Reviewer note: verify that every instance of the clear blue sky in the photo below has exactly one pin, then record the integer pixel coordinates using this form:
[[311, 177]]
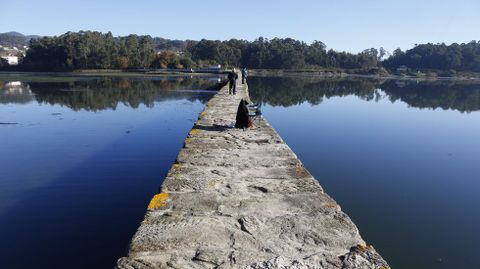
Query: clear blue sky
[[351, 25]]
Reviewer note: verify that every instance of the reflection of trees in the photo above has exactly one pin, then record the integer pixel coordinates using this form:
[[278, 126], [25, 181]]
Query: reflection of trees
[[292, 91], [458, 95], [106, 93], [464, 97]]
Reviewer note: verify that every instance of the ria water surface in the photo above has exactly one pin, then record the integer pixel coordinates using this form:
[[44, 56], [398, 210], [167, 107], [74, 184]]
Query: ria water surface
[[400, 157], [80, 158]]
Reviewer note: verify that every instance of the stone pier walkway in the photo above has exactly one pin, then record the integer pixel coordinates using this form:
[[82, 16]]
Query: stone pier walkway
[[242, 199]]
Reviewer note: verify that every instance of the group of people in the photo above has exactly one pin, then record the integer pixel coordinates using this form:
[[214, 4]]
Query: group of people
[[232, 79], [242, 119]]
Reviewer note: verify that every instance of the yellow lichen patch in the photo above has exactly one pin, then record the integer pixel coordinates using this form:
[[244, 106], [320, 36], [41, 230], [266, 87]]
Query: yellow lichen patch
[[203, 113], [363, 248], [301, 171], [194, 131], [158, 200], [329, 205], [175, 166], [187, 140]]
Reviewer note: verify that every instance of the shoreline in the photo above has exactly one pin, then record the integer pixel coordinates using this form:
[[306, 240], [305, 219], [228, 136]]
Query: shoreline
[[110, 73], [342, 73], [324, 73]]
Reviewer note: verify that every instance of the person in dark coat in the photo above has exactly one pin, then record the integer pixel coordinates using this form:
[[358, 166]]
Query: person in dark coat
[[232, 77], [242, 115]]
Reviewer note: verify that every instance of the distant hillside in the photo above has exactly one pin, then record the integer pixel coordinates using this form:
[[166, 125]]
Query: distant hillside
[[15, 39]]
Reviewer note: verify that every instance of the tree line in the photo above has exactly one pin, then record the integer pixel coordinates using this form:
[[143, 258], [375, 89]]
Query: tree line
[[456, 57], [88, 50], [95, 50], [278, 53]]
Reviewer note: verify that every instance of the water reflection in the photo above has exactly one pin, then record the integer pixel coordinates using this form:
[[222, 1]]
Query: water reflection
[[460, 96], [15, 92], [78, 152], [105, 93], [463, 96], [403, 164]]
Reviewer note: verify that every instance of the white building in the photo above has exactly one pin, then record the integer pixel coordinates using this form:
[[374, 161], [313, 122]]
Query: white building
[[12, 60], [214, 67]]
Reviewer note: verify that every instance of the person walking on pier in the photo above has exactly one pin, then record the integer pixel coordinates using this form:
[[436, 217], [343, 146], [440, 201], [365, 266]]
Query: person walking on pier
[[244, 74], [232, 78]]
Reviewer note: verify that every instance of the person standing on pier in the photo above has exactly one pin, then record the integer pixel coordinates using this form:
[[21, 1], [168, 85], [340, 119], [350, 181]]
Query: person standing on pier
[[232, 78], [244, 74]]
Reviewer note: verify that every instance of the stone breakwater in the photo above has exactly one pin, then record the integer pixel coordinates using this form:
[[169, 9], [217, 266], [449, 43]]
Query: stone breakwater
[[242, 199]]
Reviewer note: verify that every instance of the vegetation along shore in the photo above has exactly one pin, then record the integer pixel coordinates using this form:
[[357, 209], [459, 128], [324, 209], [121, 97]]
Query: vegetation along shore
[[89, 50]]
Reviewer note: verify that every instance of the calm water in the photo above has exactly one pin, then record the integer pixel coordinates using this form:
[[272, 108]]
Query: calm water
[[401, 158], [81, 160]]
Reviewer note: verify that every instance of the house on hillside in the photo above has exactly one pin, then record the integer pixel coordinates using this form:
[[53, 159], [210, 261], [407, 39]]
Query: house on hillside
[[12, 60]]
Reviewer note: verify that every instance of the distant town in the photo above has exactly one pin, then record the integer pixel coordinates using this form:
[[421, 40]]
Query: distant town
[[12, 54], [13, 46]]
